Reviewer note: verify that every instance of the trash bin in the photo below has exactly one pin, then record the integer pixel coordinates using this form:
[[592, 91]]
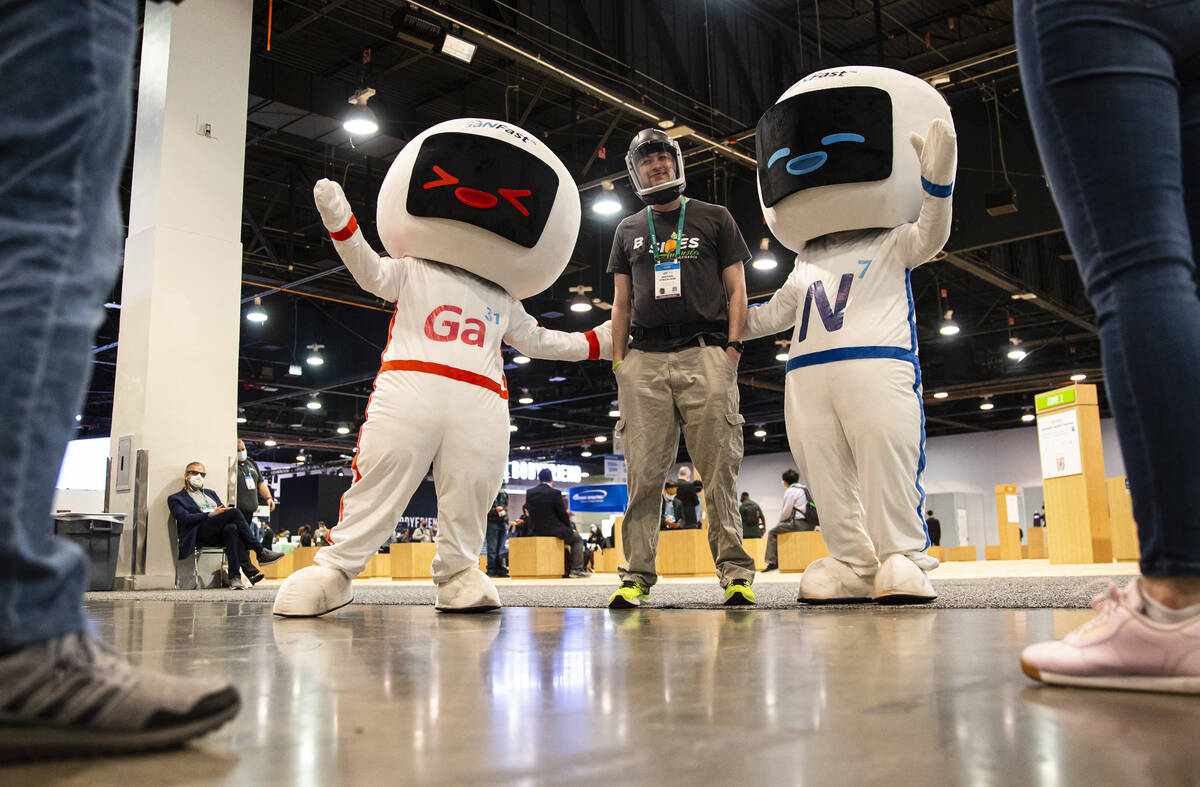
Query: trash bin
[[99, 536]]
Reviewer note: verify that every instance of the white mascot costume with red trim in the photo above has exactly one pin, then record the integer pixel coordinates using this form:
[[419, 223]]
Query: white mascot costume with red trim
[[840, 184], [476, 214]]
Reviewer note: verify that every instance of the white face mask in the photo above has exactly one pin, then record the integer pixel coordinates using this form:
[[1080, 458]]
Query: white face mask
[[242, 456], [196, 481]]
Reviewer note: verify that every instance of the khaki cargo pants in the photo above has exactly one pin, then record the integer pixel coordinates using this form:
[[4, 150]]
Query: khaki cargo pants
[[694, 388]]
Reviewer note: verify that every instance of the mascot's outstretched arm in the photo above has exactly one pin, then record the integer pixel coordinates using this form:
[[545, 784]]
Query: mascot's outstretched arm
[[377, 275], [777, 314], [527, 337], [938, 154]]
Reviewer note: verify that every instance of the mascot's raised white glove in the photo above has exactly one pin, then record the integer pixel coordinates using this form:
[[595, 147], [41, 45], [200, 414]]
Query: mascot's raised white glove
[[938, 153], [332, 204]]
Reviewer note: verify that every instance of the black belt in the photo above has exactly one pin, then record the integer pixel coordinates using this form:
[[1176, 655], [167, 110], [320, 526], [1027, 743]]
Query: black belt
[[715, 329]]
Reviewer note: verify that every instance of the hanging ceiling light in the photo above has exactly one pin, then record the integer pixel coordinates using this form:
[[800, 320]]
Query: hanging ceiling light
[[607, 203], [360, 121], [314, 358], [525, 397], [601, 438], [269, 443], [256, 312], [314, 403], [940, 395], [521, 359], [241, 419], [760, 432], [986, 404], [585, 453], [1027, 417], [294, 370], [1078, 378], [948, 327], [764, 260], [580, 302], [1016, 352], [614, 413], [512, 427], [343, 429]]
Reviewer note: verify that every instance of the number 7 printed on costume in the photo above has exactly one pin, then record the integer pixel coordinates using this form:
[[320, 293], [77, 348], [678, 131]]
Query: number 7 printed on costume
[[848, 182]]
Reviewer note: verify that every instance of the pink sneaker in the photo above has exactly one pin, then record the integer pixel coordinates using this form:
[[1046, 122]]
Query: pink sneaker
[[1121, 648]]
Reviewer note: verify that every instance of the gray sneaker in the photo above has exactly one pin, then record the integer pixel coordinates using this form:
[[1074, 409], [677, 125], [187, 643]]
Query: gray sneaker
[[267, 557], [72, 697]]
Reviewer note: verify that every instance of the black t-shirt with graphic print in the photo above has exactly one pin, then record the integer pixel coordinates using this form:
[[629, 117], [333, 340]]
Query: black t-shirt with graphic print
[[711, 242]]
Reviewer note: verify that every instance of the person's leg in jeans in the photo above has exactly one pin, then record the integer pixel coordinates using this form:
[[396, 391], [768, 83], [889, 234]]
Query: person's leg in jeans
[[64, 128], [573, 542], [495, 532], [1112, 96]]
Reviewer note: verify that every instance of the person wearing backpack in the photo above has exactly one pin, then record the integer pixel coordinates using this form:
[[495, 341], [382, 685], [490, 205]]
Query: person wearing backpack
[[793, 516]]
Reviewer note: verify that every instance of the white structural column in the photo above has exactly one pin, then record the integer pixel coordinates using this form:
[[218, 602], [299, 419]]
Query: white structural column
[[176, 385]]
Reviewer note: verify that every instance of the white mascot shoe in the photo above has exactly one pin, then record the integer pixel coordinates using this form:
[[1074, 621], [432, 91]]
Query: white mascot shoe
[[901, 581], [312, 591], [468, 591], [830, 581]]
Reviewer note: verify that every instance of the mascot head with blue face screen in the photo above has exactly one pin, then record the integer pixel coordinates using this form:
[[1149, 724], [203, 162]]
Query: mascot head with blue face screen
[[834, 152], [484, 196]]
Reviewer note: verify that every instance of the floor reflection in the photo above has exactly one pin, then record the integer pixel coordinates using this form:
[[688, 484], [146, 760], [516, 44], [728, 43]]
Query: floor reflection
[[587, 696]]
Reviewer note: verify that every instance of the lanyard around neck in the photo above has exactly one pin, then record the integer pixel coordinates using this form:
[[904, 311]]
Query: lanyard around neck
[[678, 232]]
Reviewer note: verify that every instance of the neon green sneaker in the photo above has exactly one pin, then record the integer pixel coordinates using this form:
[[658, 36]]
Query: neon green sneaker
[[738, 593], [628, 596]]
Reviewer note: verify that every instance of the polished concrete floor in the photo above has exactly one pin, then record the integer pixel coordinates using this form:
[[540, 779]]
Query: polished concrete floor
[[849, 696]]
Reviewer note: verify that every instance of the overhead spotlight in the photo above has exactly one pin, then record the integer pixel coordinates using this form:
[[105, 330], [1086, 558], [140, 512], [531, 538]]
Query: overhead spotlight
[[360, 121], [948, 327], [314, 358], [343, 429], [558, 379], [1027, 417], [585, 454], [764, 260], [521, 359], [269, 443], [781, 357], [78, 417], [601, 438], [678, 132], [940, 395], [1076, 378], [607, 203], [666, 123], [580, 302], [525, 397], [512, 427], [256, 312], [584, 474], [986, 404], [301, 458], [241, 419], [313, 403], [458, 48], [614, 413], [294, 370], [760, 432], [1016, 352], [937, 80]]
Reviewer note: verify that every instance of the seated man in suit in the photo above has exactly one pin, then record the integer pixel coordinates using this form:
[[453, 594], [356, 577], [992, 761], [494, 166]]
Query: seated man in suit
[[548, 517], [203, 521]]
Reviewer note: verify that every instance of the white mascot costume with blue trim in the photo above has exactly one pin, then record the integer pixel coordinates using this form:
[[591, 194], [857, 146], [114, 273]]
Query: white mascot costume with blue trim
[[847, 180], [476, 214]]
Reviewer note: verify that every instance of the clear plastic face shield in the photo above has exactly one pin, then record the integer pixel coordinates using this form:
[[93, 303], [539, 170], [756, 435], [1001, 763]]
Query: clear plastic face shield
[[655, 165]]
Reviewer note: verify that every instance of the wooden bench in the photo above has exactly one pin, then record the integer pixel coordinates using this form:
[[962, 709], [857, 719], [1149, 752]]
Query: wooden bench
[[1037, 543], [757, 549], [302, 557], [535, 557], [411, 560], [684, 553], [991, 552], [961, 553], [606, 561], [280, 569], [797, 550]]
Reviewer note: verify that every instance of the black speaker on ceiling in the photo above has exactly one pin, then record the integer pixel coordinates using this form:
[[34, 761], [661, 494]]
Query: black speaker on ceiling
[[1000, 201]]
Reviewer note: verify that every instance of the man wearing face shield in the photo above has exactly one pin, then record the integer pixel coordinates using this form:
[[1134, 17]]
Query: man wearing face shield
[[680, 306]]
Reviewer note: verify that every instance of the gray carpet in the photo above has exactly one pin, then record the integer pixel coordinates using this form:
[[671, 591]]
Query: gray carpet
[[1009, 593]]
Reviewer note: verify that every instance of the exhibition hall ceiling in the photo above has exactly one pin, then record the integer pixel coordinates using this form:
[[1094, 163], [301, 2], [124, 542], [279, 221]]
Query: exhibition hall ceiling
[[585, 77]]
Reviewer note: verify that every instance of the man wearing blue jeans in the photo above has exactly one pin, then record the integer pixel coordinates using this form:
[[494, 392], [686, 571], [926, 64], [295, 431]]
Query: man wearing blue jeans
[[64, 131], [1113, 90]]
